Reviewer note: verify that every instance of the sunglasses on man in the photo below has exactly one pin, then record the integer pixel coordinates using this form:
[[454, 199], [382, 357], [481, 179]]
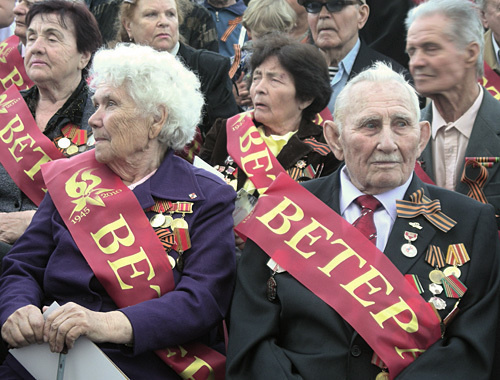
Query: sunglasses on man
[[331, 6]]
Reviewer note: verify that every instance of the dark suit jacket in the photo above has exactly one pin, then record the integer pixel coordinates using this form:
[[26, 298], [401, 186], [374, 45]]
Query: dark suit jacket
[[367, 56], [301, 337], [484, 142], [212, 69]]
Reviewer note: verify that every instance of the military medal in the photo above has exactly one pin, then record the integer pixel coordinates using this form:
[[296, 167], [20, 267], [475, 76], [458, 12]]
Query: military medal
[[157, 220], [453, 287], [415, 225], [82, 148], [183, 243], [271, 289], [436, 275], [171, 260], [71, 150], [454, 270], [179, 223], [457, 255], [408, 249], [435, 289], [63, 143], [382, 376], [91, 140], [438, 303], [168, 221]]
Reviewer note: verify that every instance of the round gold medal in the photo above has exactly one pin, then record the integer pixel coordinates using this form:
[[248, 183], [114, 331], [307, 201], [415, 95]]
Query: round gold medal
[[452, 271], [72, 149], [179, 223], [435, 276], [382, 376], [157, 220], [64, 143], [167, 222]]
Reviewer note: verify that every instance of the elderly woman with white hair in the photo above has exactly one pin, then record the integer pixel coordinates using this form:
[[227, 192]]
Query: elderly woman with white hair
[[134, 243]]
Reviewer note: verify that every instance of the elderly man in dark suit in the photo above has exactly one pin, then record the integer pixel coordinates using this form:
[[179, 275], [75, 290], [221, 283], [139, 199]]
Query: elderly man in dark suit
[[283, 326], [335, 27], [445, 44]]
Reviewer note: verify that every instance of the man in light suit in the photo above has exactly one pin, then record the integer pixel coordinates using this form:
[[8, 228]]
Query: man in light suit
[[445, 44], [297, 335]]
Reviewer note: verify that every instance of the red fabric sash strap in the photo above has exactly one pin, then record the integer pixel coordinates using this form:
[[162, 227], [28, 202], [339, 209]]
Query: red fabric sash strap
[[23, 147], [350, 274], [337, 263], [12, 71], [122, 248], [491, 81]]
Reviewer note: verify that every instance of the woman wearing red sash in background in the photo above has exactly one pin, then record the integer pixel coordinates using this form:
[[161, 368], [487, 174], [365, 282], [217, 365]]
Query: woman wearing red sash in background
[[61, 38], [147, 105], [289, 87]]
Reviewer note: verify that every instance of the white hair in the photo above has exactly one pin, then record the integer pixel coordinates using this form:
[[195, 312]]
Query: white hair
[[465, 23], [379, 72], [154, 80]]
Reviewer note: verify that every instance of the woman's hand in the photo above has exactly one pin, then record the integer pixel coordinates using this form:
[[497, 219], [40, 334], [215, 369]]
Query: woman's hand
[[13, 225], [68, 322], [24, 327]]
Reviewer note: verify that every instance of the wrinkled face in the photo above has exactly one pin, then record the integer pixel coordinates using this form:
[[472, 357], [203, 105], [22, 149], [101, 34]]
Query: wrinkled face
[[337, 30], [274, 96], [380, 138], [491, 17], [436, 63], [20, 11], [155, 23], [51, 52], [120, 128]]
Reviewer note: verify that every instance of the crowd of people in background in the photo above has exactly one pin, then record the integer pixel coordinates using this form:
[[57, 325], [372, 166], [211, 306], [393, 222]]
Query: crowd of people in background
[[252, 189]]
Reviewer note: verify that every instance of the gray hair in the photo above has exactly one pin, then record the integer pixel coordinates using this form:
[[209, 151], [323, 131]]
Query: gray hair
[[154, 80], [379, 72], [465, 24]]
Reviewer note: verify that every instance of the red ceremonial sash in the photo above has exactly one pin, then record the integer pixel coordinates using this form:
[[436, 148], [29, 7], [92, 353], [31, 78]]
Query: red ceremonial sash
[[338, 264], [396, 322], [491, 81], [12, 71], [322, 117], [23, 147], [122, 248], [250, 152]]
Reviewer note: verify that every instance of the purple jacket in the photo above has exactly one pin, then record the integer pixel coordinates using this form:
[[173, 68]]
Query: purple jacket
[[45, 265]]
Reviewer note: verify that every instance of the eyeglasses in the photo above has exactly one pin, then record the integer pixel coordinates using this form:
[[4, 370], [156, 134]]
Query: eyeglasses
[[331, 6]]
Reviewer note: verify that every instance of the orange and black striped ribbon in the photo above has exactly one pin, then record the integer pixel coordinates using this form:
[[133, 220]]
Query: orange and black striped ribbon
[[318, 147], [421, 205], [295, 173], [236, 61], [232, 24], [475, 185], [434, 256], [166, 237]]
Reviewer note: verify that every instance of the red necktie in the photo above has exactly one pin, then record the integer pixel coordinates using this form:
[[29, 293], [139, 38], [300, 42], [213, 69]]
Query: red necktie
[[364, 223]]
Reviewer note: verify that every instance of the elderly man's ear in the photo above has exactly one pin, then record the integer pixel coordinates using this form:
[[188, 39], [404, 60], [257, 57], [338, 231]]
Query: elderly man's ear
[[425, 135], [332, 136]]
